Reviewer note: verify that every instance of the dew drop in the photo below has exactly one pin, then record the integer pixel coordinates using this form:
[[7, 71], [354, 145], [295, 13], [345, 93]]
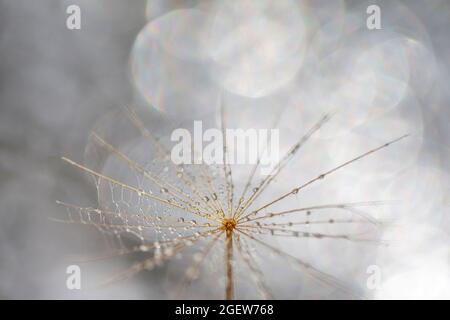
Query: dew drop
[[197, 257], [149, 265], [168, 251], [192, 273]]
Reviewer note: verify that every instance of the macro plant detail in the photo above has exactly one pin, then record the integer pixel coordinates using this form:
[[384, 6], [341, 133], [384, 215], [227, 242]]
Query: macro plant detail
[[191, 150], [198, 214]]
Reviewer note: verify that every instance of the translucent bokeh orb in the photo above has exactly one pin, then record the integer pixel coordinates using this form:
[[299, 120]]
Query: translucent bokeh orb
[[257, 47], [168, 64]]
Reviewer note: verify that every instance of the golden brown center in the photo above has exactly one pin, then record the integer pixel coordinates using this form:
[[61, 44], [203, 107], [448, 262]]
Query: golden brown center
[[228, 224]]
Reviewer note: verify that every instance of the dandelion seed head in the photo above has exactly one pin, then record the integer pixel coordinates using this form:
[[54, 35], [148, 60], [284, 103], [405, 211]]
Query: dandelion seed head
[[207, 212]]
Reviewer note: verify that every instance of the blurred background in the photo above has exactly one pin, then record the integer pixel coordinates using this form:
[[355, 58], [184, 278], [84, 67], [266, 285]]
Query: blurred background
[[56, 83]]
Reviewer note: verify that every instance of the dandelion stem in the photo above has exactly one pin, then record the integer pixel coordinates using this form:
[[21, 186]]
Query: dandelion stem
[[229, 290]]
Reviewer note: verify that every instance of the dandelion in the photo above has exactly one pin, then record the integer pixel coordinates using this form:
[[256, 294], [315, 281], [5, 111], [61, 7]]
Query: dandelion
[[188, 213]]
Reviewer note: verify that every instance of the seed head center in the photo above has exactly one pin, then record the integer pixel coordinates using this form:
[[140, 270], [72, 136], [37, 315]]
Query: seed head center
[[228, 224]]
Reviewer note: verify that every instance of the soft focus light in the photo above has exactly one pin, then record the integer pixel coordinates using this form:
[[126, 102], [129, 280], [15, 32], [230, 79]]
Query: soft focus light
[[166, 64], [415, 265], [258, 46]]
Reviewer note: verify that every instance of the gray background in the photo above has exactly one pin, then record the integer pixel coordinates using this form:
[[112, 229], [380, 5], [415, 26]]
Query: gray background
[[54, 84]]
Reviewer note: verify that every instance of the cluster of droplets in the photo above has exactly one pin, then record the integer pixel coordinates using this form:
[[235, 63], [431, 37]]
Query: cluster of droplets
[[173, 208]]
